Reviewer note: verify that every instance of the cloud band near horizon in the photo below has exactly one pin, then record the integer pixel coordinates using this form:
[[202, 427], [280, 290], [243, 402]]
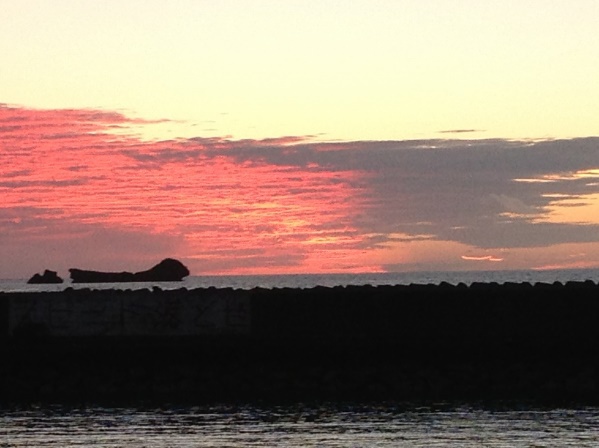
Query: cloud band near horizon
[[81, 187]]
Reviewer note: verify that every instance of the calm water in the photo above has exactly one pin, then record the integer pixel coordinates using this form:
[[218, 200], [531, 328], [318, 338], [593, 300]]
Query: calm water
[[326, 426], [311, 280]]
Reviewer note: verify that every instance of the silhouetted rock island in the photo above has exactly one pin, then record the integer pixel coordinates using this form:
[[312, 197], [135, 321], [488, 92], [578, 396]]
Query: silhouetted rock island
[[168, 270], [46, 277]]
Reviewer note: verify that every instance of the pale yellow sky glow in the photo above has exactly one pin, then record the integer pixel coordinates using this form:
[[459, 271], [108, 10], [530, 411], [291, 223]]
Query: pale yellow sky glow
[[275, 136], [358, 70]]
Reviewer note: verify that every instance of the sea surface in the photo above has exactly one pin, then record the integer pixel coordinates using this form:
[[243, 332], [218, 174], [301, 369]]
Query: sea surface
[[379, 426], [312, 280]]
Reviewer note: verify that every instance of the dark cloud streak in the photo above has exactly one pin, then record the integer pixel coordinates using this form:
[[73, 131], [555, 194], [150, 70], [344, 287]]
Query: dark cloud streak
[[465, 184]]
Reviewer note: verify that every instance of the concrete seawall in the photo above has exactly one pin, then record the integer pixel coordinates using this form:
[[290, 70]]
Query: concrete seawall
[[486, 341]]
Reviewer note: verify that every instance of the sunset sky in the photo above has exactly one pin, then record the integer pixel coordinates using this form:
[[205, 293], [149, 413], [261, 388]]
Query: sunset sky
[[253, 137]]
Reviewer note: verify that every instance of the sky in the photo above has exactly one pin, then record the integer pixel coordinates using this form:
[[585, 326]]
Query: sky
[[264, 137]]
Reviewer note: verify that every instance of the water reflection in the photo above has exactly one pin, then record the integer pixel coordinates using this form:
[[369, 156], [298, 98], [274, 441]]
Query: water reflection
[[298, 426]]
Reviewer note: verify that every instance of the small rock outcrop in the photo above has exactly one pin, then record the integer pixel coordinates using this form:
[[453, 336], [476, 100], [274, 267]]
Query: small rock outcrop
[[46, 277], [168, 270]]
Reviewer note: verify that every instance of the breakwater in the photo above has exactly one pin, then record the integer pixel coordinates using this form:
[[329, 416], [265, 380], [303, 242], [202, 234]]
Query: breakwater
[[484, 341]]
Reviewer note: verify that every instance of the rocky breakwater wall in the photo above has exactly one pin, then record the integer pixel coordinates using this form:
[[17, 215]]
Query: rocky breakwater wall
[[486, 341]]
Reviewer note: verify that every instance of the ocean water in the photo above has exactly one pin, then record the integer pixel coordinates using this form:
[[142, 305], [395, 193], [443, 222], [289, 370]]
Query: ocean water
[[312, 280], [300, 426]]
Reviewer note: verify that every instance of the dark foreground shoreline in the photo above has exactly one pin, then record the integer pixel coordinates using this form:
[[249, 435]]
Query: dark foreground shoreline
[[420, 342]]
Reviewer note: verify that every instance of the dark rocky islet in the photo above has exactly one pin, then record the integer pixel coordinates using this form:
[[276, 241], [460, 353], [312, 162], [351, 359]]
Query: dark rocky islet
[[48, 277]]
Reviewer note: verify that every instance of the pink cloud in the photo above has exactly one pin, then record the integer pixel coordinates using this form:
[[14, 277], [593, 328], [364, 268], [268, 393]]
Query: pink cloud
[[287, 204], [65, 169]]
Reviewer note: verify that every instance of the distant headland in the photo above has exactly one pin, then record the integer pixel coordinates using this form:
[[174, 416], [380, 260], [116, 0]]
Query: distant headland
[[168, 270]]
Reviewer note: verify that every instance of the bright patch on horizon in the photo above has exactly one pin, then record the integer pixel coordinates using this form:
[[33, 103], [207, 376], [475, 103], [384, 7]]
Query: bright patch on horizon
[[481, 258]]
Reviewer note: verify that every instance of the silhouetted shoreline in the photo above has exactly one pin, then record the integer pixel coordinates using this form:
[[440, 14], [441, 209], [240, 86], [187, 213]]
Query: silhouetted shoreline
[[512, 341]]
